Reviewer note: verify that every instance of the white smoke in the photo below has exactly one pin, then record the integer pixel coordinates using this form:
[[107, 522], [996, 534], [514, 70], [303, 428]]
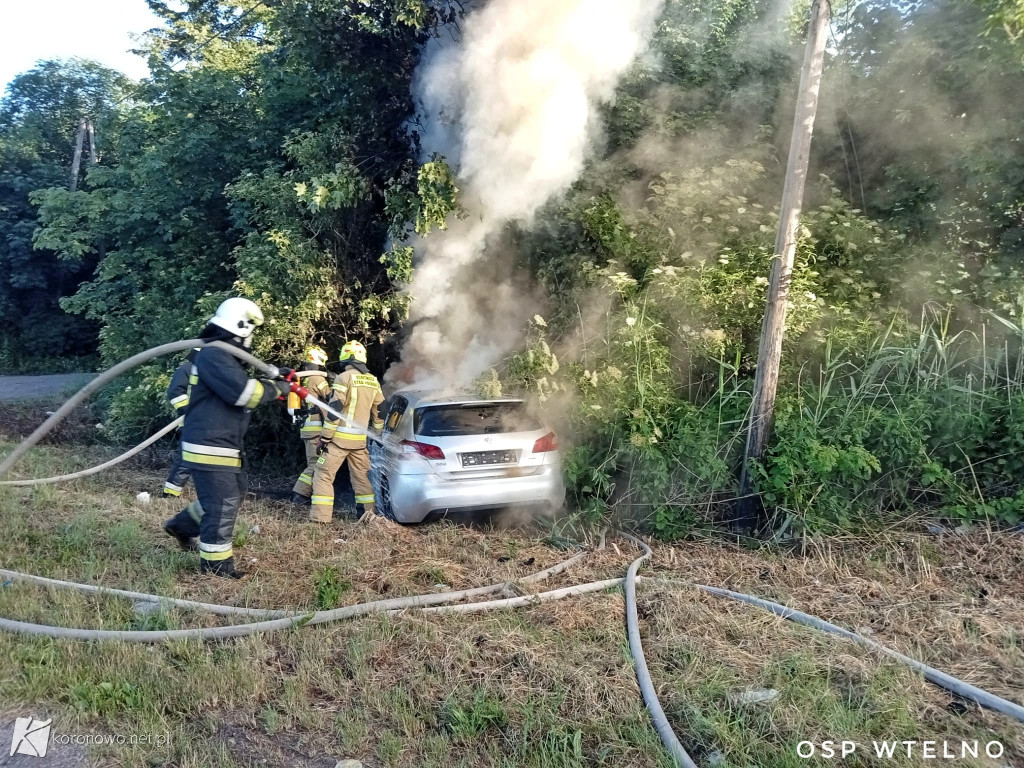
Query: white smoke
[[512, 106]]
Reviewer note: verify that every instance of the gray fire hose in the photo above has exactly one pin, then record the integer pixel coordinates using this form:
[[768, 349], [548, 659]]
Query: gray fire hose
[[108, 376], [79, 397], [105, 465], [941, 679], [228, 610], [643, 675], [286, 622]]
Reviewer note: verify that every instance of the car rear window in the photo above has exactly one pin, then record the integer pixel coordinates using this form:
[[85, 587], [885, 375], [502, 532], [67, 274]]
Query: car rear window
[[473, 419]]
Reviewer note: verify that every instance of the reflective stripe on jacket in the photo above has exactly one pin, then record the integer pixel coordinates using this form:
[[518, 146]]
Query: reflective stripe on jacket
[[177, 392], [221, 397], [357, 396]]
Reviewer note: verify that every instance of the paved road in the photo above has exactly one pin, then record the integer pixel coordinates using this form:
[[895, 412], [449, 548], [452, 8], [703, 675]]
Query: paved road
[[56, 755], [47, 390]]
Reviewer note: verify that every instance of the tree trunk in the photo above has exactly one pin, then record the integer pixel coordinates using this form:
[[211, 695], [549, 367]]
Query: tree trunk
[[76, 163]]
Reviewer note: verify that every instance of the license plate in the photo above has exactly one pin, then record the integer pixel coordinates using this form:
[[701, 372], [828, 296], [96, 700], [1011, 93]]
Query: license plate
[[484, 458]]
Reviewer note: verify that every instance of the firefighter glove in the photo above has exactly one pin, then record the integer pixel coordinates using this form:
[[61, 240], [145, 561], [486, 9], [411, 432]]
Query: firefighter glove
[[283, 388], [287, 374]]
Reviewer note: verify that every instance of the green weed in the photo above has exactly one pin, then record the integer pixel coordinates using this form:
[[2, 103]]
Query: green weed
[[471, 719], [328, 588]]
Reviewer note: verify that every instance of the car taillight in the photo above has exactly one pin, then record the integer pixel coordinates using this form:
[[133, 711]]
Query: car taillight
[[426, 450], [547, 443]]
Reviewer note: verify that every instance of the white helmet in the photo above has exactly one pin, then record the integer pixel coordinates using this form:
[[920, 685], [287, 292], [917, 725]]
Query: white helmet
[[238, 316]]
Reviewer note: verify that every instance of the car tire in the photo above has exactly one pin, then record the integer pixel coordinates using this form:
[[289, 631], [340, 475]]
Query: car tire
[[384, 502]]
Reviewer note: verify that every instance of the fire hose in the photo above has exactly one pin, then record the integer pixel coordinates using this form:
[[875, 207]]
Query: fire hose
[[105, 465], [281, 620], [112, 373]]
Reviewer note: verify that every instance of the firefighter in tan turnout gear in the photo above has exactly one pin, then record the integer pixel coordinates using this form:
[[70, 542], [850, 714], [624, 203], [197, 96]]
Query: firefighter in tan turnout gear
[[314, 379], [357, 395]]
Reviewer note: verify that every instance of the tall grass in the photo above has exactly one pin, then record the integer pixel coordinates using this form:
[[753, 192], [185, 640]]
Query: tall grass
[[922, 418]]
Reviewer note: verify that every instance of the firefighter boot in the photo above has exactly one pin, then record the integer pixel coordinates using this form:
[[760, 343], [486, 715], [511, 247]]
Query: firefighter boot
[[186, 541], [224, 568], [300, 500]]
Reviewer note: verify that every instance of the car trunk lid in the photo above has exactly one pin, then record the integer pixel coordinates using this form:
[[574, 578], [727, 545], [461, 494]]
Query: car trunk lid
[[482, 439]]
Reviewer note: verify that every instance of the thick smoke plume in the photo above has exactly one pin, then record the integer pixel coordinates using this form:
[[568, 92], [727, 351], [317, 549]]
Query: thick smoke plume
[[513, 108]]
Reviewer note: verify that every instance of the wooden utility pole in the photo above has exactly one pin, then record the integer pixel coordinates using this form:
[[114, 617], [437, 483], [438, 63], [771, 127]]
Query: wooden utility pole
[[76, 163], [773, 327]]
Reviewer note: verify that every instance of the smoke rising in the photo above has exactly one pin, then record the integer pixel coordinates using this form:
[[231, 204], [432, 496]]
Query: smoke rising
[[513, 107]]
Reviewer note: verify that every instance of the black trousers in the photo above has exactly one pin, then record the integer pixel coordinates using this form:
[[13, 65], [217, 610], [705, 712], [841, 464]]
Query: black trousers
[[212, 519], [177, 476]]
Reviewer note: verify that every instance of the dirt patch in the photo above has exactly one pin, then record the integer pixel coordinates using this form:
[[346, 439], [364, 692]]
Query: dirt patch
[[249, 745], [19, 420]]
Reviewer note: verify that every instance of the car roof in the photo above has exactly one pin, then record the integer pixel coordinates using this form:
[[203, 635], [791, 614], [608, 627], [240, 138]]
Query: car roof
[[419, 398]]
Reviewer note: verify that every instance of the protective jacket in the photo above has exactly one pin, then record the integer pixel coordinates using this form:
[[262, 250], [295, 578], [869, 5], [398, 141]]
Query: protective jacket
[[357, 395], [177, 392], [315, 380], [221, 398]]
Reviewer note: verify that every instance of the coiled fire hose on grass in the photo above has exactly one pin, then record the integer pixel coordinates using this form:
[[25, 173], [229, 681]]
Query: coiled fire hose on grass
[[286, 622], [282, 620], [422, 602], [227, 610]]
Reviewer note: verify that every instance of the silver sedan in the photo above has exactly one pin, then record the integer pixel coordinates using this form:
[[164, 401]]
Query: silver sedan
[[440, 453]]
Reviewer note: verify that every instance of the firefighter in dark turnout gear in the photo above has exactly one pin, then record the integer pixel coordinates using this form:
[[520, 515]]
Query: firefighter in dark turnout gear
[[221, 398], [314, 379], [177, 396]]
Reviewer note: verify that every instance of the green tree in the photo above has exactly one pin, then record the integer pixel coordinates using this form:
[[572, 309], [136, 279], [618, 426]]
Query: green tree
[[39, 116], [268, 155]]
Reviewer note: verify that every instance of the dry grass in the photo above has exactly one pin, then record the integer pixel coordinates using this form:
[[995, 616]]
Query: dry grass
[[549, 686], [954, 602]]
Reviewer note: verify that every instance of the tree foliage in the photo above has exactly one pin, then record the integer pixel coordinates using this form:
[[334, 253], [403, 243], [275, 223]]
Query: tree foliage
[[39, 117]]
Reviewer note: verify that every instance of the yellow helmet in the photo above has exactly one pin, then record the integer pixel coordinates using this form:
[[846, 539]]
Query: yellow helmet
[[353, 350], [316, 356]]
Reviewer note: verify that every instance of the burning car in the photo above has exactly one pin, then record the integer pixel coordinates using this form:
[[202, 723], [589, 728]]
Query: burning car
[[444, 452]]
